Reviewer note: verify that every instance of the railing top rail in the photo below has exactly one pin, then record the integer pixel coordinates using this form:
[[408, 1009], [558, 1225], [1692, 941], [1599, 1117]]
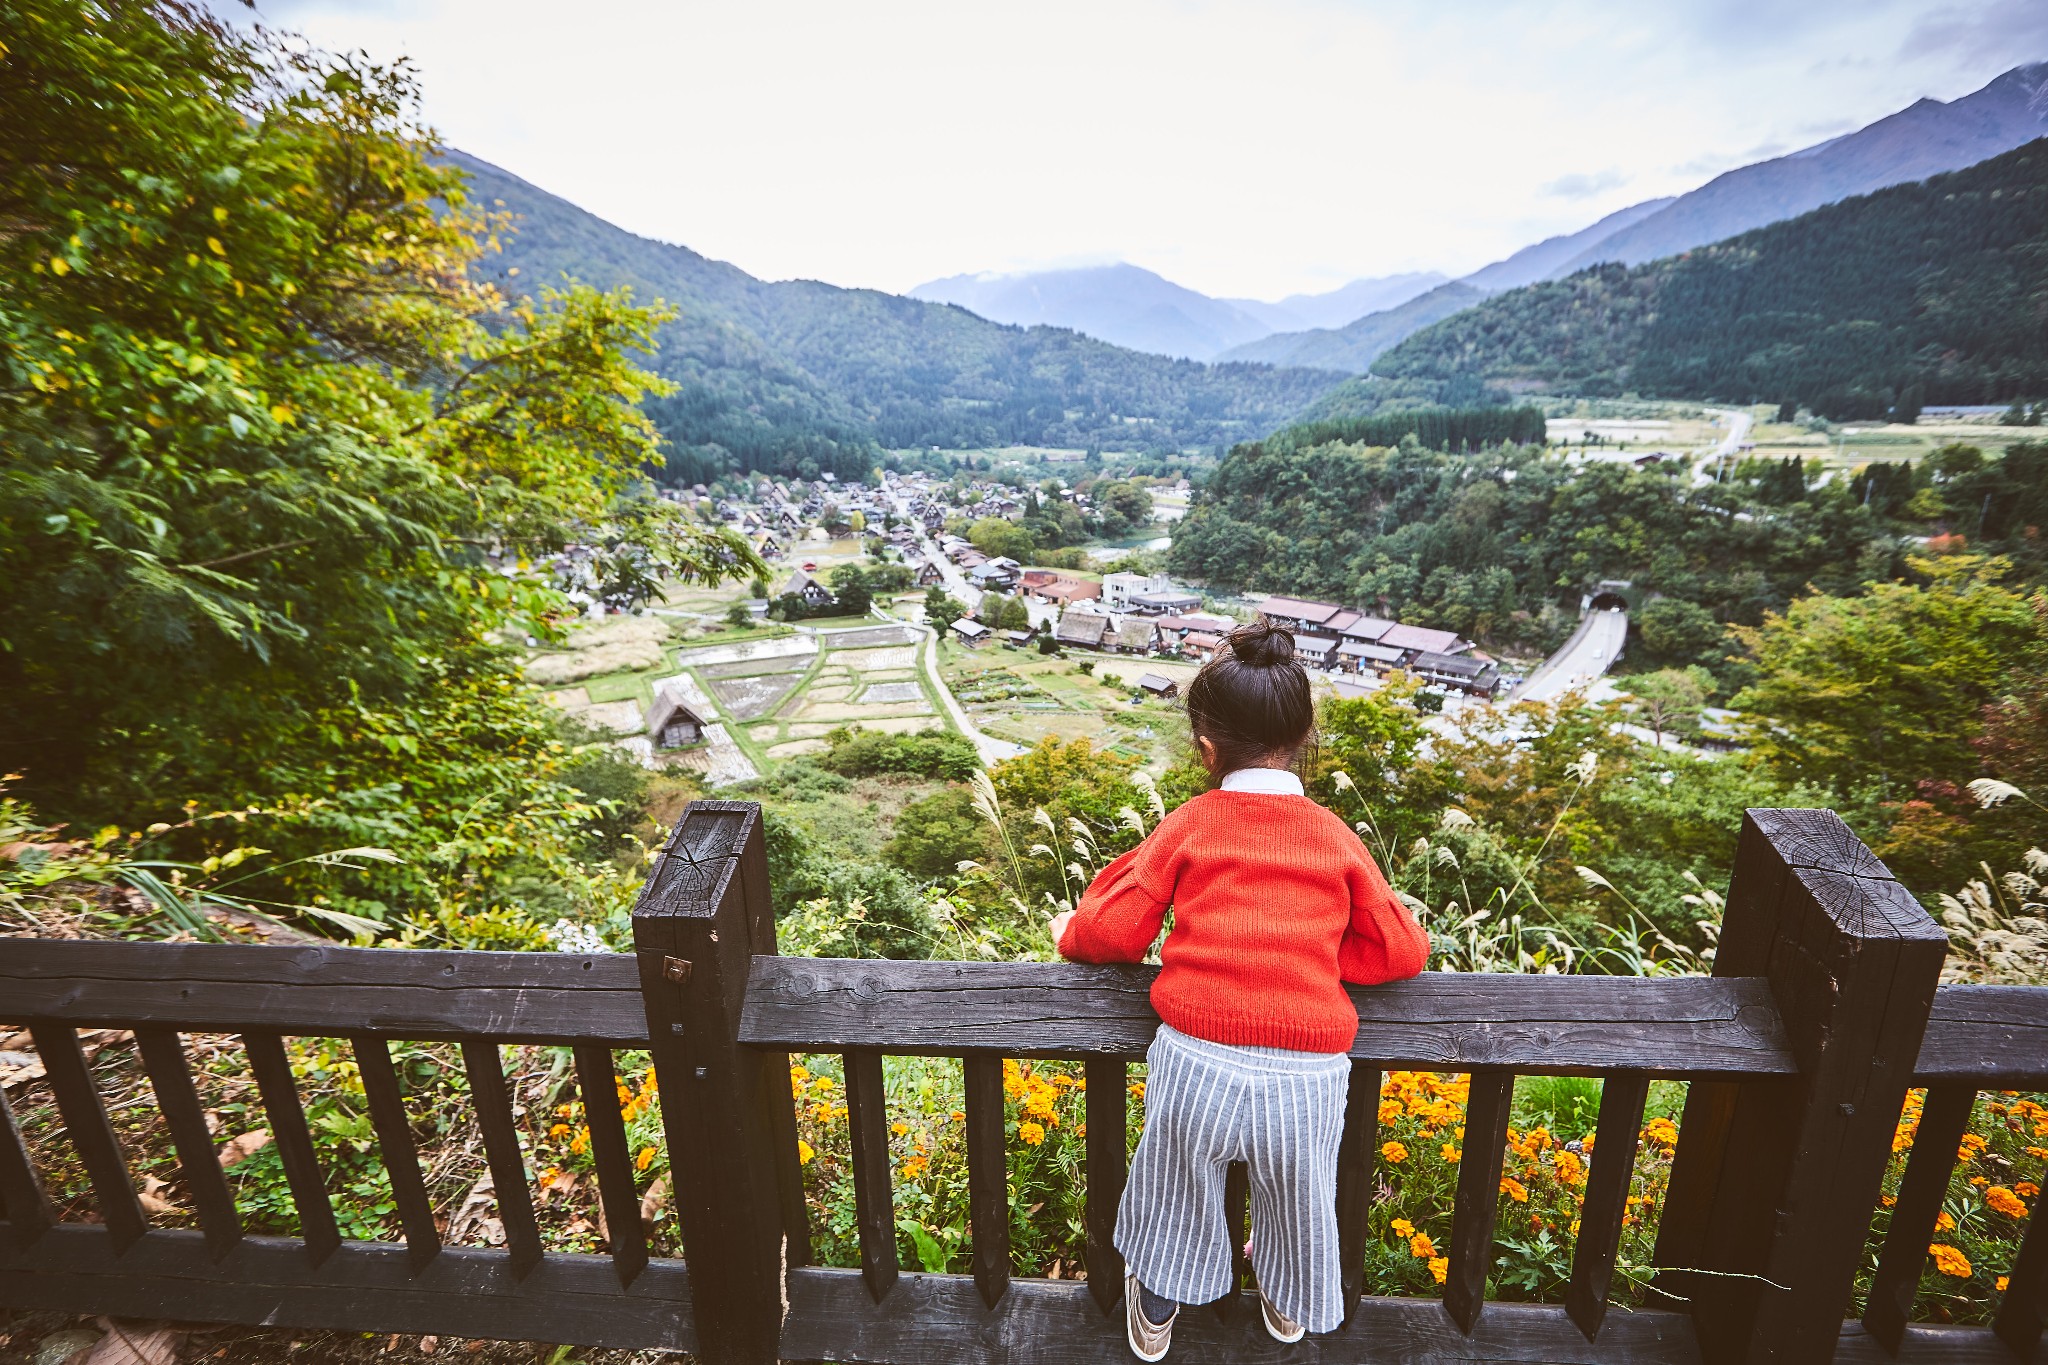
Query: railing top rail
[[1681, 1026], [320, 990]]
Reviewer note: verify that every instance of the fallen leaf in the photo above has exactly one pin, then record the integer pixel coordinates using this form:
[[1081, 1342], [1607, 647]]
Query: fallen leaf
[[150, 1196], [242, 1147], [429, 1345], [653, 1202], [126, 1344]]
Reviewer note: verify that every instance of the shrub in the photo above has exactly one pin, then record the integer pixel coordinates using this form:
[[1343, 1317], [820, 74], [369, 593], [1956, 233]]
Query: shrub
[[929, 753]]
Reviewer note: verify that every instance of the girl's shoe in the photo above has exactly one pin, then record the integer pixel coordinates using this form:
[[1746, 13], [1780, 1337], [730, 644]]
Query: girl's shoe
[[1149, 1340], [1282, 1329]]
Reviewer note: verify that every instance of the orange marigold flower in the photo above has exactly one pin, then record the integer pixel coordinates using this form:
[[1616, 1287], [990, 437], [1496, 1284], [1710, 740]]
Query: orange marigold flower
[[1032, 1133], [2026, 1189], [1944, 1223], [1450, 1153], [558, 1130], [1439, 1268], [645, 1159], [1403, 1227], [1514, 1189], [2005, 1201], [1394, 1152], [1971, 1145], [581, 1143], [1661, 1131], [804, 1152], [1420, 1247], [1949, 1261], [2003, 1280], [1389, 1110]]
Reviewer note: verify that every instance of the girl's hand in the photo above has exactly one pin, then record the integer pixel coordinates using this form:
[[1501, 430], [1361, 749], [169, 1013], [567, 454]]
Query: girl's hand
[[1058, 927]]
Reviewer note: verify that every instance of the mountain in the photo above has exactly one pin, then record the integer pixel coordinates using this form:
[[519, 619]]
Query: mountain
[[776, 375], [1541, 261], [1924, 139], [1935, 292], [1127, 305], [1352, 349], [1121, 304]]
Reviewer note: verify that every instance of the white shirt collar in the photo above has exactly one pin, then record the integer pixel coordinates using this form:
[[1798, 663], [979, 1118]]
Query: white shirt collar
[[1265, 781]]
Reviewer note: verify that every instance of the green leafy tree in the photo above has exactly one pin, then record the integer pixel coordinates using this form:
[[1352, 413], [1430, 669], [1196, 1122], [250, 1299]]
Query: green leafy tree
[[998, 539], [1671, 699], [941, 609], [1678, 631], [1886, 689], [933, 836]]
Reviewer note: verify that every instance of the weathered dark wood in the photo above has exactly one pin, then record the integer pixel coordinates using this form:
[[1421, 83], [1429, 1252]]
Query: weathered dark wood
[[1606, 1202], [1989, 1037], [317, 990], [510, 1184], [1852, 960], [598, 1081], [988, 1175], [23, 1201], [86, 1124], [705, 912], [395, 1146], [1477, 1202], [1575, 1025], [1357, 1155], [287, 1116], [362, 1287], [874, 1197], [1107, 1100], [1944, 1118], [941, 1320], [1237, 1189], [2025, 1306], [170, 1076], [1925, 1344]]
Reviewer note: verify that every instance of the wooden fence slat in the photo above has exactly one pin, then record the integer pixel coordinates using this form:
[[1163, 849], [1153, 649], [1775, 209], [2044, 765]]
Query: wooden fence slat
[[23, 1201], [598, 1081], [2025, 1308], [1600, 1213], [988, 1175], [170, 1076], [1357, 1155], [287, 1115], [1237, 1192], [874, 1198], [1477, 1202], [1106, 1100], [509, 1181], [90, 1131], [1944, 1118], [395, 1145]]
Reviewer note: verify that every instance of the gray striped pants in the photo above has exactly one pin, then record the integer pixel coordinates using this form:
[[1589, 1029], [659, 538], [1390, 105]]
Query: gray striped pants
[[1282, 1114]]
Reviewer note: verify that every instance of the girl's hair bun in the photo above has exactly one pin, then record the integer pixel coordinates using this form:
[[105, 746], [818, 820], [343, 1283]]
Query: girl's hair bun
[[1262, 645]]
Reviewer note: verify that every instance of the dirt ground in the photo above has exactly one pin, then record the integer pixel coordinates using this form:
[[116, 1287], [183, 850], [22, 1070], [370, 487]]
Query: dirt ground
[[34, 1339]]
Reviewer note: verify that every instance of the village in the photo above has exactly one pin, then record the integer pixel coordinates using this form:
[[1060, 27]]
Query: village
[[882, 612]]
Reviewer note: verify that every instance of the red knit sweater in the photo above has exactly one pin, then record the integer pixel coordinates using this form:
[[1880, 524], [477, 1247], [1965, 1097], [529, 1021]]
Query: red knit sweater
[[1275, 905]]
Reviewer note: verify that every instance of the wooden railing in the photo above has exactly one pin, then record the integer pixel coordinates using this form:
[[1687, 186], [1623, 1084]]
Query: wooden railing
[[1822, 1012]]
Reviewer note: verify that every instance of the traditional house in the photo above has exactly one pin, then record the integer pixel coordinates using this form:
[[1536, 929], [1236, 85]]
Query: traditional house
[[1137, 635], [1158, 686], [1317, 651], [929, 572], [801, 584], [1422, 640], [1020, 638], [1360, 657], [1200, 644], [1477, 676], [1083, 628], [996, 574], [970, 632], [1296, 614], [671, 724]]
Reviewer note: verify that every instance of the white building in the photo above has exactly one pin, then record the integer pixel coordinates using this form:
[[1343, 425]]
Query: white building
[[1117, 588]]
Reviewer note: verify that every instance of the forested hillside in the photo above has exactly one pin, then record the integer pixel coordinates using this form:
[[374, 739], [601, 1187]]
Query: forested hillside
[[1352, 348], [773, 375], [1930, 292], [1500, 545]]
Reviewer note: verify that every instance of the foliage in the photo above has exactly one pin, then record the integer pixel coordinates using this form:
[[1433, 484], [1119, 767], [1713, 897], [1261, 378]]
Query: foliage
[[941, 609], [1669, 701], [1446, 429], [1919, 293], [930, 753], [999, 539]]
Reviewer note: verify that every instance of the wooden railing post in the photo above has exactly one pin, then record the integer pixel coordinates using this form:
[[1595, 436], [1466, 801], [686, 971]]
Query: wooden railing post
[[703, 915], [1775, 1179]]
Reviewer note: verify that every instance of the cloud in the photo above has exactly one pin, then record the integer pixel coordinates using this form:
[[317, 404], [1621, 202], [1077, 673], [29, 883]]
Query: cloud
[[1580, 185], [2004, 32]]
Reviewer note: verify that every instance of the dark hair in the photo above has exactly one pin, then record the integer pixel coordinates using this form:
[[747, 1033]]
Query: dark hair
[[1252, 700]]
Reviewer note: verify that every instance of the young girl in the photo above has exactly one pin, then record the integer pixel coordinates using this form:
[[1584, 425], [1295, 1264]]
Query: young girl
[[1275, 905]]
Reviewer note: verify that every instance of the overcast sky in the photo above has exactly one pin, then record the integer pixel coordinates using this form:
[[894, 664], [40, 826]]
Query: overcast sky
[[1242, 147]]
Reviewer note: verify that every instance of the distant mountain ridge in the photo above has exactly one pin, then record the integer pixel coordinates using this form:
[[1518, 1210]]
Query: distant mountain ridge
[[1127, 305], [777, 376], [1351, 349]]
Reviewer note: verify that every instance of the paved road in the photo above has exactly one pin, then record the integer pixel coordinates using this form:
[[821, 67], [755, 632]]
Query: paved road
[[1043, 614], [991, 749], [1709, 460], [1585, 658]]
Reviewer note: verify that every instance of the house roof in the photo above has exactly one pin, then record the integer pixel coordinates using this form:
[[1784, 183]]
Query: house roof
[[1081, 628], [972, 629], [1294, 609], [1452, 666], [1168, 599], [1153, 682], [1421, 638], [1202, 639], [1069, 590], [1343, 619], [1363, 628], [667, 706], [1315, 644], [1359, 649], [1136, 634]]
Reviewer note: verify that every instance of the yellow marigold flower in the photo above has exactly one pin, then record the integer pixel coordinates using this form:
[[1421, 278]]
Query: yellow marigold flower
[[2003, 1280], [899, 1129], [1439, 1268], [1450, 1153], [2026, 1189], [1420, 1247], [1949, 1261], [2038, 1153], [915, 1166], [1032, 1133], [1138, 1090], [804, 1152], [1570, 1169], [823, 1085], [645, 1159], [959, 1116], [1394, 1152], [1971, 1145], [1390, 1110], [1887, 1199], [1661, 1131], [581, 1142], [1514, 1189], [1587, 1145], [1403, 1227], [2005, 1201], [557, 1130]]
